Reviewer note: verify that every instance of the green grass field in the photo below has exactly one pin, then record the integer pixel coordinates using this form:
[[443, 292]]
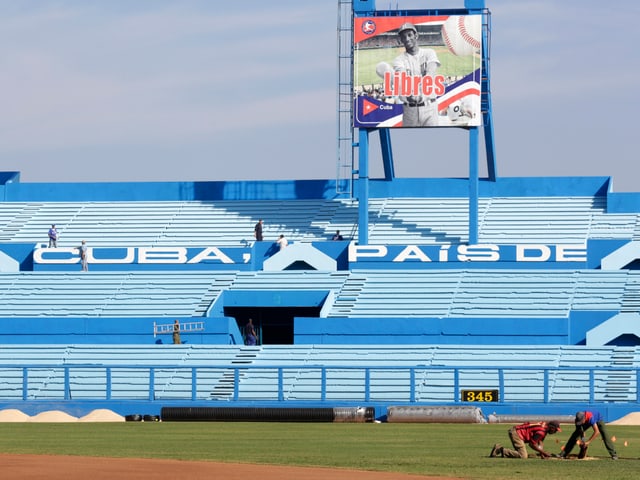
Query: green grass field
[[368, 59], [459, 450]]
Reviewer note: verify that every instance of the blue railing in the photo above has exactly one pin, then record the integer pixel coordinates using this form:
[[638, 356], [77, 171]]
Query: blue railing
[[419, 384]]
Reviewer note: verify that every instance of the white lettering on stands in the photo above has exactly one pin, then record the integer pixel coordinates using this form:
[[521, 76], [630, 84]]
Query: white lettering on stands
[[474, 253], [73, 258], [129, 258], [409, 253], [160, 255], [147, 255], [571, 253], [532, 253], [412, 251], [366, 251], [211, 253], [478, 253]]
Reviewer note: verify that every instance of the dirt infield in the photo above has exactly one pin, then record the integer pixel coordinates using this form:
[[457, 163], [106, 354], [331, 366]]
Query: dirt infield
[[53, 467]]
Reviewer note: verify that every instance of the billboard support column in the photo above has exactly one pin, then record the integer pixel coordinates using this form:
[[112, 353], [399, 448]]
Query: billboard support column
[[387, 154], [473, 185], [363, 187]]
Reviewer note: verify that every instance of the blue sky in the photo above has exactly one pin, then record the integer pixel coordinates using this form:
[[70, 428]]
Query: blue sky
[[154, 90]]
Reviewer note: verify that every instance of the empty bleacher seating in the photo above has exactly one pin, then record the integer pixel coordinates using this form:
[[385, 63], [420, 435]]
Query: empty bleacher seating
[[116, 294], [351, 372], [393, 221], [358, 293]]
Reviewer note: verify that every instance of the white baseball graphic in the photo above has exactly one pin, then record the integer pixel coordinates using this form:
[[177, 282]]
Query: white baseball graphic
[[462, 34], [382, 68]]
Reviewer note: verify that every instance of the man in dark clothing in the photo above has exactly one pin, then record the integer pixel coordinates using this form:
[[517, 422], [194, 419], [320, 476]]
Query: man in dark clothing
[[250, 337], [53, 237], [531, 434], [257, 231]]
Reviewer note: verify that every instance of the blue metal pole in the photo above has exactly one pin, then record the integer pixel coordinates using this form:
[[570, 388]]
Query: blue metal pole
[[363, 187], [473, 185]]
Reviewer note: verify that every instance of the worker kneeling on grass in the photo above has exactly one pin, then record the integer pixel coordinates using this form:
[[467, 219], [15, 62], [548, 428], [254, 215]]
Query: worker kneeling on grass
[[532, 434]]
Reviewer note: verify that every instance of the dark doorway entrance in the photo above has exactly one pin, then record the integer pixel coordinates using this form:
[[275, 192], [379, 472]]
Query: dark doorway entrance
[[274, 325]]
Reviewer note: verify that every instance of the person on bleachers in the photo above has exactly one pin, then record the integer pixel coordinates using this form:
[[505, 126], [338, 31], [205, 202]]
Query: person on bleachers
[[83, 256], [337, 236], [176, 332], [250, 336], [257, 231], [282, 242], [53, 237]]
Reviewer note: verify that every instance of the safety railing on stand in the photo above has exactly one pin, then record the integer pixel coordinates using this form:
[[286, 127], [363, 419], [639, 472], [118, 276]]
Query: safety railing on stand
[[419, 384]]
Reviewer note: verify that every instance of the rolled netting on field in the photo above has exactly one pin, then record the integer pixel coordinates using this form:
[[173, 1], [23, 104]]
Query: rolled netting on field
[[248, 414]]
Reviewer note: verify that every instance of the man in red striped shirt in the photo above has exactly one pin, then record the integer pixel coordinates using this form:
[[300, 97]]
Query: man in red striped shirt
[[532, 434]]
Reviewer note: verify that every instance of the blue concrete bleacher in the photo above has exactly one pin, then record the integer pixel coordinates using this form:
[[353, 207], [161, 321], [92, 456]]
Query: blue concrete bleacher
[[224, 223], [358, 294], [105, 294], [380, 299], [506, 220], [478, 293], [348, 370]]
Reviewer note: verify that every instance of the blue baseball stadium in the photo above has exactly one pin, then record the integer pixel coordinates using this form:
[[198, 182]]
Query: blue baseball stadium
[[508, 296]]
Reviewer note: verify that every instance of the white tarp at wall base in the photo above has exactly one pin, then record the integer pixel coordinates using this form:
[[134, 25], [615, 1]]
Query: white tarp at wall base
[[436, 414]]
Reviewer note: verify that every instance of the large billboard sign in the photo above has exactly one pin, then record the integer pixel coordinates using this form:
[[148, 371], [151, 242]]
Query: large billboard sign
[[417, 71]]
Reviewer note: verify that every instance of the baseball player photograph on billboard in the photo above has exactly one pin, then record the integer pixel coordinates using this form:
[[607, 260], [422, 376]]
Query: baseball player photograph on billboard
[[417, 71]]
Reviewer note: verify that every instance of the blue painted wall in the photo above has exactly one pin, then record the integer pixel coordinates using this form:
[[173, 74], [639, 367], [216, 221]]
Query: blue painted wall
[[449, 331], [169, 191], [307, 331], [118, 331], [274, 298], [623, 202], [11, 189]]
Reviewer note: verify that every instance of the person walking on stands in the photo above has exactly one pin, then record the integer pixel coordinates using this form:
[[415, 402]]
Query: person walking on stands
[[83, 256], [53, 237], [257, 231], [532, 434], [250, 337], [584, 421], [176, 332], [282, 242]]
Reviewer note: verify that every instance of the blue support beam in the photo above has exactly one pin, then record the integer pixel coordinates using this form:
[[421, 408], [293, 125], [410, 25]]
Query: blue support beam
[[472, 7], [363, 187], [473, 185], [387, 154], [485, 102], [363, 6]]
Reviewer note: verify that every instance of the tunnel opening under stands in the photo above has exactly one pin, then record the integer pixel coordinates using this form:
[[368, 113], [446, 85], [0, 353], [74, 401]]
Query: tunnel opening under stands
[[274, 325]]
